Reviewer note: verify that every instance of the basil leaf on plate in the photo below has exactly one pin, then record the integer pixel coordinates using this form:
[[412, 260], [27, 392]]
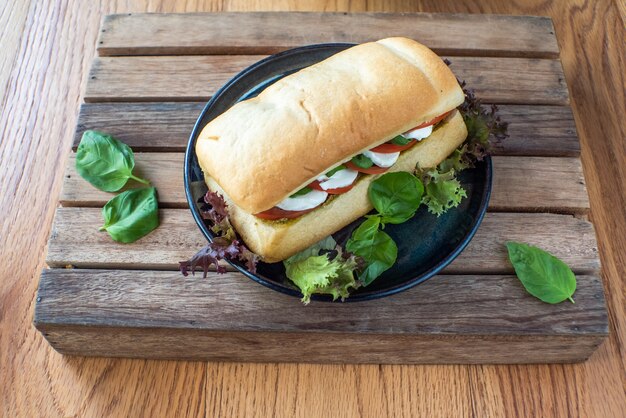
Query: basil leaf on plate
[[131, 215], [396, 196], [336, 169], [362, 161], [401, 140], [301, 192], [543, 275], [105, 162], [375, 246]]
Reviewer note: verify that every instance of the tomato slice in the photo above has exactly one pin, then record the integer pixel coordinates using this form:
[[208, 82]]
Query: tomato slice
[[432, 122], [388, 147], [339, 190], [372, 170], [276, 213]]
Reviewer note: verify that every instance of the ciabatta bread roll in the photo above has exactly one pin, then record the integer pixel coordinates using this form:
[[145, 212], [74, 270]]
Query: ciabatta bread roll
[[268, 147], [263, 150], [277, 240]]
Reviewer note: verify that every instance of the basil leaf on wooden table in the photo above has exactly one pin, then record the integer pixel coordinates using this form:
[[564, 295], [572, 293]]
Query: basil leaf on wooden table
[[131, 214], [375, 246], [396, 196], [542, 274], [105, 162]]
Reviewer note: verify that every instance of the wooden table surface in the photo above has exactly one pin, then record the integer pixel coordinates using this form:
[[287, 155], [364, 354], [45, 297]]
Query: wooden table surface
[[46, 49]]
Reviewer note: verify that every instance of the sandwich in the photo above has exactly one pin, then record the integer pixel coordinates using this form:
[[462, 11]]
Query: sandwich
[[294, 163]]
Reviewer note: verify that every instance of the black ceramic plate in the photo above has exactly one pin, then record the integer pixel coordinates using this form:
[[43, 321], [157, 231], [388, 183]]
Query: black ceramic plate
[[426, 243]]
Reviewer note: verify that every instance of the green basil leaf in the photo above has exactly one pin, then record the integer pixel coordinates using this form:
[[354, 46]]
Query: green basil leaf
[[301, 192], [396, 196], [375, 247], [543, 275], [105, 162], [131, 215], [401, 140], [362, 161], [336, 169]]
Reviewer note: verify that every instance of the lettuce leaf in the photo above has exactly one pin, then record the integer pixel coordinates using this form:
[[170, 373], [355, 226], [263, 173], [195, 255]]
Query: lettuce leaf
[[443, 195], [442, 190], [329, 273], [225, 246], [484, 128]]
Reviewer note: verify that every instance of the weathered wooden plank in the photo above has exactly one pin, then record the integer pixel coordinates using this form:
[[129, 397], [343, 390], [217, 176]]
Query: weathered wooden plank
[[163, 170], [196, 78], [520, 183], [75, 240], [547, 131], [264, 33], [448, 319], [546, 184], [154, 126], [300, 347], [178, 238]]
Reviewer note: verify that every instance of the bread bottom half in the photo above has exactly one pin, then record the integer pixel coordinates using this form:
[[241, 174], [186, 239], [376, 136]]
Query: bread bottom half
[[276, 240]]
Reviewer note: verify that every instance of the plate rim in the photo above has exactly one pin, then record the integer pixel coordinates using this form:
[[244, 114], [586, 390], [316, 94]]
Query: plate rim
[[414, 281]]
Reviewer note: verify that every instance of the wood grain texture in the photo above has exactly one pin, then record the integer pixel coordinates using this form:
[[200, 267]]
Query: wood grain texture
[[161, 299], [444, 320], [36, 124], [52, 60], [12, 20], [519, 183], [256, 346], [178, 238], [264, 33], [366, 390], [196, 78], [547, 131]]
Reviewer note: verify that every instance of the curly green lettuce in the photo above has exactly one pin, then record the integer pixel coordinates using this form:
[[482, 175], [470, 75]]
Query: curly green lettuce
[[323, 269], [442, 190]]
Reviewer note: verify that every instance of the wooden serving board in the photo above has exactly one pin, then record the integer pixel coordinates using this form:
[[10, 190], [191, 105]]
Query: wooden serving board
[[152, 77]]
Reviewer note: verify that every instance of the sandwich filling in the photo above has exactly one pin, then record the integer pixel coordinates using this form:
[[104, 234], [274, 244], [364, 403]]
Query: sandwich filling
[[342, 178]]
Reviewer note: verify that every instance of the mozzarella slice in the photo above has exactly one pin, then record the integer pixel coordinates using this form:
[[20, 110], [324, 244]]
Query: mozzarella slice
[[310, 200], [341, 178], [419, 134], [382, 159]]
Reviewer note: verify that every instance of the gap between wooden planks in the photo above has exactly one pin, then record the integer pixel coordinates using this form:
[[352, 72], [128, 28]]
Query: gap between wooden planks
[[458, 34], [197, 78], [539, 184], [178, 238]]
